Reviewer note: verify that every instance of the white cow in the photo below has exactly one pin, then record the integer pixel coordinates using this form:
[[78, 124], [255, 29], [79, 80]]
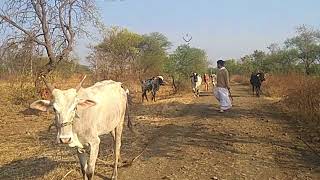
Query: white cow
[[83, 114], [196, 81]]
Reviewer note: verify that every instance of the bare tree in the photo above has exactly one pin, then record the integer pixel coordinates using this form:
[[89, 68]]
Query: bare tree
[[52, 25]]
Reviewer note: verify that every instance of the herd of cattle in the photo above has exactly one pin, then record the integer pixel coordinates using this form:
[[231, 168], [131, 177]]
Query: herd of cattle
[[83, 114], [153, 84]]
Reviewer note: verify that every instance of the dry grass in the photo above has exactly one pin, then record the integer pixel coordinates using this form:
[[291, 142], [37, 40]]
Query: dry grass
[[21, 90], [300, 94], [175, 129], [281, 85], [241, 79]]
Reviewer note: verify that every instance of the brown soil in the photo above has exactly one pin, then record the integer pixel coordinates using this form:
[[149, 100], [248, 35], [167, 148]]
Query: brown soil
[[182, 137]]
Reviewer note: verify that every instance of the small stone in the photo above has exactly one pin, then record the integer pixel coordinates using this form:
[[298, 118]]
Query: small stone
[[214, 178]]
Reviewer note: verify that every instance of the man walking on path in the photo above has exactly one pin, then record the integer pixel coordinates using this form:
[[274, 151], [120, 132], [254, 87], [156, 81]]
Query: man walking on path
[[222, 91]]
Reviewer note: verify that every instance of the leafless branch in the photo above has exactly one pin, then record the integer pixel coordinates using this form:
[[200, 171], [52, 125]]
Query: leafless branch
[[7, 19]]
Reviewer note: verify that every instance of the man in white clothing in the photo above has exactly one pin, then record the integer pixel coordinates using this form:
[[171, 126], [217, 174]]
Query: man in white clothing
[[222, 90]]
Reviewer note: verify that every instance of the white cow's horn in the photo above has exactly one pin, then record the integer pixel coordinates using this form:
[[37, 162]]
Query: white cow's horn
[[80, 84]]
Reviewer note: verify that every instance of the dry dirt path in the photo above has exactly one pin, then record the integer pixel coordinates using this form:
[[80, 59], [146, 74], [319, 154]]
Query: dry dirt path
[[182, 138], [191, 140]]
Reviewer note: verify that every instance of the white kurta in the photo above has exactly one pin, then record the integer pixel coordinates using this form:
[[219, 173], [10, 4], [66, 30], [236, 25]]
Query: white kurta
[[222, 95]]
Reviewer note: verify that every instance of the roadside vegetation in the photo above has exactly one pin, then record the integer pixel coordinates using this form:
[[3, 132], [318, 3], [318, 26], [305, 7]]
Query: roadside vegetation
[[292, 73], [292, 69]]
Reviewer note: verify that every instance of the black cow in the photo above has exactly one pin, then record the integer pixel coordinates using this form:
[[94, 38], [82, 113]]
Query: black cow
[[152, 85], [256, 80]]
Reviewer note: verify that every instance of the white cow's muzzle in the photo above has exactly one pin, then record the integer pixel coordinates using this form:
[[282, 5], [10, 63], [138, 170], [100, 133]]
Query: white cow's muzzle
[[65, 139]]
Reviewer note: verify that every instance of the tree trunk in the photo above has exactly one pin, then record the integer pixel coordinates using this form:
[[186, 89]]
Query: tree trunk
[[307, 67], [174, 86], [45, 71]]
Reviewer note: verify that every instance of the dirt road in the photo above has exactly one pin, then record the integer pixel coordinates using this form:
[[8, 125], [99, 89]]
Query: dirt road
[[182, 138]]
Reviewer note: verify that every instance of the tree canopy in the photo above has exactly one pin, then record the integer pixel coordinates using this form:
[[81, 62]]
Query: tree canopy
[[123, 53], [300, 53], [185, 60]]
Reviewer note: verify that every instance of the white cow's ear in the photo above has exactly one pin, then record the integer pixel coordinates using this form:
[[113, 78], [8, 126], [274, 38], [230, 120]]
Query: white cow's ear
[[42, 105], [86, 103]]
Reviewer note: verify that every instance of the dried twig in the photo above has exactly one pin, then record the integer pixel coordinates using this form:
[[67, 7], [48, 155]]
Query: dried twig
[[134, 159], [105, 162], [67, 174]]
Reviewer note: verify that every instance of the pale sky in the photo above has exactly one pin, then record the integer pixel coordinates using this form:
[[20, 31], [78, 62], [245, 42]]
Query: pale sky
[[223, 28]]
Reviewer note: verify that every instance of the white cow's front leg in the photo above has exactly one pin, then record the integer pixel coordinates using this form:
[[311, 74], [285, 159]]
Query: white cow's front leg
[[94, 150], [83, 162]]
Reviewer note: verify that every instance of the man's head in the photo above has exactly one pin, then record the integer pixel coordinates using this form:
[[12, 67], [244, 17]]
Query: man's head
[[220, 64]]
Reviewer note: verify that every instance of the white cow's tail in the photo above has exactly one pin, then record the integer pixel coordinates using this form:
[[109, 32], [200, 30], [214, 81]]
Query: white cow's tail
[[128, 110]]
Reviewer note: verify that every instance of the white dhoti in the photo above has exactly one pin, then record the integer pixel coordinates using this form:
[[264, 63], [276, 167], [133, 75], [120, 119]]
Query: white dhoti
[[222, 95]]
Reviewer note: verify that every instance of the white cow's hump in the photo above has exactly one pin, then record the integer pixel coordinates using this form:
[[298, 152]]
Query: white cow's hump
[[102, 89], [106, 84]]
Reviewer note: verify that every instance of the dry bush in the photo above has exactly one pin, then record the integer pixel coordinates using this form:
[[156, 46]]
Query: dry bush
[[304, 100], [300, 93], [241, 79], [61, 82], [280, 85], [21, 90]]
